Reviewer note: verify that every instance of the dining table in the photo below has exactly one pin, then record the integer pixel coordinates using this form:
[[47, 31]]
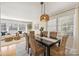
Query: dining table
[[47, 42]]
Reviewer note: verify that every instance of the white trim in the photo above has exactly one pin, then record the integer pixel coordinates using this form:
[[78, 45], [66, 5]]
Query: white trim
[[17, 19]]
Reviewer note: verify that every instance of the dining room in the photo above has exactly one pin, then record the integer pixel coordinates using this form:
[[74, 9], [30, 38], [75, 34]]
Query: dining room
[[39, 29]]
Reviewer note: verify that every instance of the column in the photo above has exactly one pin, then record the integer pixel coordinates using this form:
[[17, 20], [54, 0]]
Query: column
[[76, 32], [0, 28]]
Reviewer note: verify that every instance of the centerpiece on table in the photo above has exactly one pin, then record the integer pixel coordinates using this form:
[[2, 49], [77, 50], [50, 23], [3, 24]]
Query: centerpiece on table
[[41, 31]]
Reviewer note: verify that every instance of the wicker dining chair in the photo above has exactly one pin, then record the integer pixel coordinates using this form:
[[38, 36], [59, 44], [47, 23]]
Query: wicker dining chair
[[32, 32], [60, 50], [53, 35], [35, 47], [45, 33]]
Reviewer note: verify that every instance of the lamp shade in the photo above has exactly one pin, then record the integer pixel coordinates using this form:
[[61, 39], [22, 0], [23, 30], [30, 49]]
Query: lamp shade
[[44, 17]]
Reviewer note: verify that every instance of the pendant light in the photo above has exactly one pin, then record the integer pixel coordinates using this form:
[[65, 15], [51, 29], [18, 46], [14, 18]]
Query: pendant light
[[44, 16]]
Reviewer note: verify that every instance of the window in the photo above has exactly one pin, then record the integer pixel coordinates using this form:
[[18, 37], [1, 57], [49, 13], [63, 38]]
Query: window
[[65, 25], [22, 27], [13, 27], [52, 25], [3, 27]]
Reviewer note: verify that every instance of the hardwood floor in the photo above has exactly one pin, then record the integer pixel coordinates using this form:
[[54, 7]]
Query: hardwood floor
[[14, 49], [19, 50], [8, 50]]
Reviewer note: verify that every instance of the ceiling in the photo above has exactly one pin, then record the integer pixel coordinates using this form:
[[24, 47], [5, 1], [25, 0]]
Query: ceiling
[[32, 10]]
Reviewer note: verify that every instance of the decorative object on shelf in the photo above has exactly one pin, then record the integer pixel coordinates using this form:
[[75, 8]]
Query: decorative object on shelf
[[41, 30], [44, 16]]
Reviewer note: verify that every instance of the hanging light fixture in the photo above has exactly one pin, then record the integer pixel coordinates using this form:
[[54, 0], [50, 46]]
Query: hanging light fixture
[[44, 16]]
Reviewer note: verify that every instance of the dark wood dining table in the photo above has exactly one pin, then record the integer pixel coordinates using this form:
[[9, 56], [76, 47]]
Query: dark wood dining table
[[47, 42]]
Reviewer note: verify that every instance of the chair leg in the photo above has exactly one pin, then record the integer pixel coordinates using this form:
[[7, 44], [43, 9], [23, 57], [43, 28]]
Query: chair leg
[[44, 53], [30, 54], [28, 50]]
